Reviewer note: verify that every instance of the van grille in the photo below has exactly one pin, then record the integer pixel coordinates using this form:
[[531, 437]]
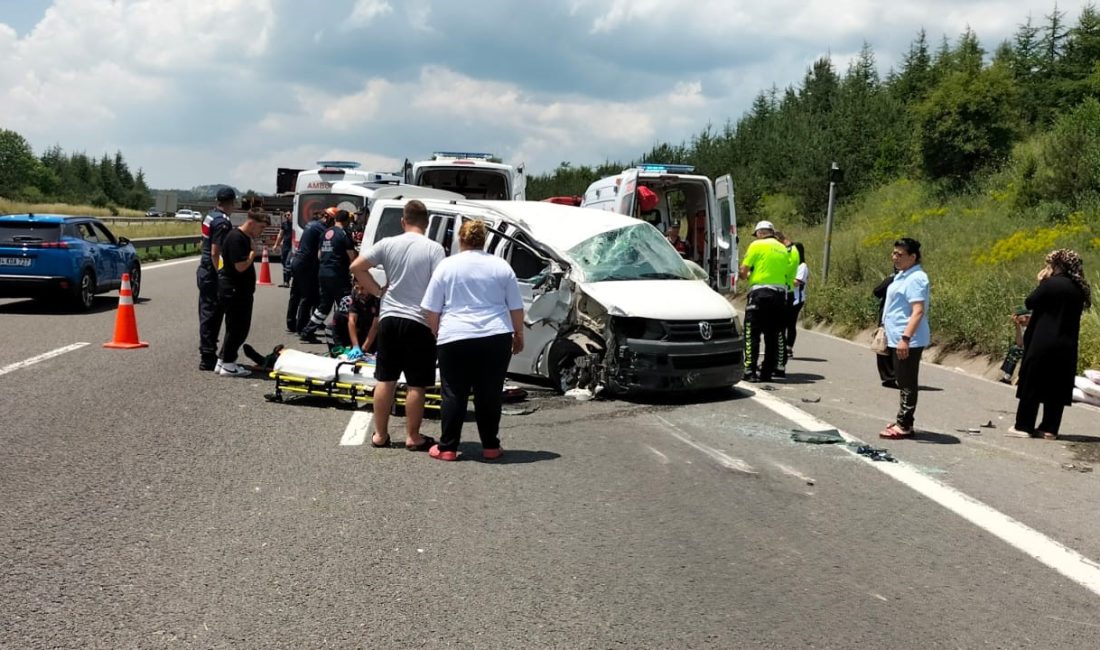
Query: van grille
[[690, 331]]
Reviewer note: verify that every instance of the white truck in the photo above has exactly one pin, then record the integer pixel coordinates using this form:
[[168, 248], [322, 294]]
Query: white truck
[[674, 197], [473, 175]]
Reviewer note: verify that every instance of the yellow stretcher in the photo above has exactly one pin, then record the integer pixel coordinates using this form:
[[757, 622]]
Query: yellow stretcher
[[351, 382]]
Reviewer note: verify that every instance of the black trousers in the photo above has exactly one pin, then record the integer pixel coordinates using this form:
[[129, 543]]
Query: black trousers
[[792, 324], [478, 364], [332, 289], [908, 377], [765, 317], [1028, 410], [305, 293], [238, 321], [885, 363], [210, 314]]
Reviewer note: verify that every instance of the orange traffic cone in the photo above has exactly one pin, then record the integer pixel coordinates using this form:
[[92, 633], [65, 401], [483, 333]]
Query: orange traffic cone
[[126, 334], [265, 271]]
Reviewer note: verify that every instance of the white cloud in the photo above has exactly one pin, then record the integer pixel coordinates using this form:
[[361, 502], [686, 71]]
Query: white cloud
[[365, 11]]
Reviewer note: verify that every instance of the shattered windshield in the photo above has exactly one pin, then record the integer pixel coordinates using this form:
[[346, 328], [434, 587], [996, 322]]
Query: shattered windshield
[[637, 252]]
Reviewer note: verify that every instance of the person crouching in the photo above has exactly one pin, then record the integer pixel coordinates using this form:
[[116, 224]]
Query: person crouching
[[473, 305]]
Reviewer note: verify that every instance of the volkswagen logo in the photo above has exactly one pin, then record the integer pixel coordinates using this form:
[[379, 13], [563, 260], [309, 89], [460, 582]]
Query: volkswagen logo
[[705, 330]]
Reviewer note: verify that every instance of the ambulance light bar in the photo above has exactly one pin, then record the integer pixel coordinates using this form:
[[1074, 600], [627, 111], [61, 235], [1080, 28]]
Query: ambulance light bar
[[663, 168], [461, 154], [337, 164]]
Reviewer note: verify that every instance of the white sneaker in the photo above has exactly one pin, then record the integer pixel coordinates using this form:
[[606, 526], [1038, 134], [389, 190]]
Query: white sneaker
[[218, 367], [233, 370]]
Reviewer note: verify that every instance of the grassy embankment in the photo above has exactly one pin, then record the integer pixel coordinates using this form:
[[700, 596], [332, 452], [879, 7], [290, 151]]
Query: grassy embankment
[[132, 230], [981, 254]]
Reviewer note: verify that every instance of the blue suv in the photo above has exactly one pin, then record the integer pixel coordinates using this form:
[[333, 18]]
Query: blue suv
[[42, 256]]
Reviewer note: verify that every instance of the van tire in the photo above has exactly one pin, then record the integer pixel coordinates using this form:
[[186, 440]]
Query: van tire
[[561, 362]]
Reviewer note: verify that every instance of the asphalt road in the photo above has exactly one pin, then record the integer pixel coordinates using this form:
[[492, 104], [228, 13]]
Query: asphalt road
[[146, 504]]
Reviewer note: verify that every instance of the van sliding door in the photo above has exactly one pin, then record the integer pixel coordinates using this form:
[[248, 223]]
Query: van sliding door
[[628, 186]]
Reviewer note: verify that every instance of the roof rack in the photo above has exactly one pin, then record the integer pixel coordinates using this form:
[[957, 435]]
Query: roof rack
[[667, 168], [437, 155]]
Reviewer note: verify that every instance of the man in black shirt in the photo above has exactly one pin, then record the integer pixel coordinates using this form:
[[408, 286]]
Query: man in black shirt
[[215, 227], [334, 274], [236, 284]]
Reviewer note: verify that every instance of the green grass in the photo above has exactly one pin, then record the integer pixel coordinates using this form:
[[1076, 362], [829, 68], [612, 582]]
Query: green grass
[[155, 228], [8, 206], [981, 253], [167, 253]]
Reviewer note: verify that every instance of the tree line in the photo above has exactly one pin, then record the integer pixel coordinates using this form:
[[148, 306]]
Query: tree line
[[951, 113], [77, 178]]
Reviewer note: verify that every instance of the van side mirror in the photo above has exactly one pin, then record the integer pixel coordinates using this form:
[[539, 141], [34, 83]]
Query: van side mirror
[[697, 272]]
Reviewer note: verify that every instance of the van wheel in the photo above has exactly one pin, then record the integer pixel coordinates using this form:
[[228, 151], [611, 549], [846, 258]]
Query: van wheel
[[83, 295], [565, 374]]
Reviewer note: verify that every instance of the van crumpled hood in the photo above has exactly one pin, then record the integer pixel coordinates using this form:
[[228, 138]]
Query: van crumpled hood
[[660, 299]]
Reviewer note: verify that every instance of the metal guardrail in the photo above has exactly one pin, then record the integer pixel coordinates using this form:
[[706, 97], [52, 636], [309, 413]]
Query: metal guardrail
[[166, 242]]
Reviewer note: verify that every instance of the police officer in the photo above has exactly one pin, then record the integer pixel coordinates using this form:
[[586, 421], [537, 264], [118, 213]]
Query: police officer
[[334, 274], [305, 290], [215, 227], [767, 267]]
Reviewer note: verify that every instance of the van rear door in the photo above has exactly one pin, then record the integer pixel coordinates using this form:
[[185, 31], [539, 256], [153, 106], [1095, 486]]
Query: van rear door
[[519, 183], [628, 188], [725, 234]]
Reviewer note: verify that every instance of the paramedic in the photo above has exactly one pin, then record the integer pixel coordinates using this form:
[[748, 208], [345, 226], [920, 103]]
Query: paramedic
[[215, 227], [355, 323], [474, 306], [405, 343], [334, 276], [236, 286], [767, 267], [304, 290]]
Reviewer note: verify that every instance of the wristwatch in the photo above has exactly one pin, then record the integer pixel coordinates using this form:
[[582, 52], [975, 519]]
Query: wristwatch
[[905, 337]]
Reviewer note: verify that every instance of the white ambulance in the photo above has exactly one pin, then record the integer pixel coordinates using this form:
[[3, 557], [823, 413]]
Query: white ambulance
[[672, 196], [341, 184], [473, 175]]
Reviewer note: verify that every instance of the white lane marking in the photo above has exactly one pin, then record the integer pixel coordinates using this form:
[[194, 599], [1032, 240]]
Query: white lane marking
[[1055, 555], [661, 458], [359, 427], [161, 265], [42, 357], [721, 458]]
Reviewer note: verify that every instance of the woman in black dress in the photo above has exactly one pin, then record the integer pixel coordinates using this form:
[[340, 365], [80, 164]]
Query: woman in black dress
[[1050, 344]]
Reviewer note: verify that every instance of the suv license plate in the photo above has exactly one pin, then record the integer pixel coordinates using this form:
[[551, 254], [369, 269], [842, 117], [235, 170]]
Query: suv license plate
[[15, 261]]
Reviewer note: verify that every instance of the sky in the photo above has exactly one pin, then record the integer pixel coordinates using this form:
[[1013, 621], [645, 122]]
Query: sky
[[227, 91]]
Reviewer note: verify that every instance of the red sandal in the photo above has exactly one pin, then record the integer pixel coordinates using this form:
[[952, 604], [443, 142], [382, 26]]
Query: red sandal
[[895, 432]]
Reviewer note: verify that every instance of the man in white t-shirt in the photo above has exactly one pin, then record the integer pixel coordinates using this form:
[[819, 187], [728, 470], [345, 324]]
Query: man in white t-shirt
[[405, 342]]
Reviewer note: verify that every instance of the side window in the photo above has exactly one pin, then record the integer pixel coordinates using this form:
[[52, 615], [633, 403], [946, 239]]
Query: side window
[[525, 263], [88, 234], [441, 228], [389, 224], [103, 234]]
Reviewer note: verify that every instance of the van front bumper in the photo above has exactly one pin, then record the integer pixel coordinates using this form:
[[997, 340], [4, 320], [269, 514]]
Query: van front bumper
[[645, 365]]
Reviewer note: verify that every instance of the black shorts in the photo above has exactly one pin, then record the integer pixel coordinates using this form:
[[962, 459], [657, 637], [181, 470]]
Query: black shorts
[[405, 346]]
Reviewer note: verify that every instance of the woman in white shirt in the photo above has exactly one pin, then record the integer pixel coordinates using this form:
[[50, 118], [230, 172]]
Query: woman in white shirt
[[474, 307], [801, 278]]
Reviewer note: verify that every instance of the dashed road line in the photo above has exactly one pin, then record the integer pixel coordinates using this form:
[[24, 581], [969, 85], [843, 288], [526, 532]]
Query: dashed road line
[[359, 427], [1053, 554], [42, 357]]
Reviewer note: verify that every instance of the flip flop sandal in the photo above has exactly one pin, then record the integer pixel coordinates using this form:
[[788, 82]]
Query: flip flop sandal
[[425, 445], [895, 432], [379, 446]]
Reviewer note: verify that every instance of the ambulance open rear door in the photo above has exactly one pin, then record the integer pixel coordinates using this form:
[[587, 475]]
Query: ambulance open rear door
[[725, 235]]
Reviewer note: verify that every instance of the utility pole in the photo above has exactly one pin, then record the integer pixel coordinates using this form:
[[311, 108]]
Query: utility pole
[[835, 176]]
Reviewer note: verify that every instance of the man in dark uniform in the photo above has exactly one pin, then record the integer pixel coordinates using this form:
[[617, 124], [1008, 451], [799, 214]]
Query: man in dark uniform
[[284, 243], [236, 286], [215, 227], [334, 275], [304, 290]]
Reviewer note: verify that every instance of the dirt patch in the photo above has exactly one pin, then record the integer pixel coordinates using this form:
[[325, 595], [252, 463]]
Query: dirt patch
[[1086, 452]]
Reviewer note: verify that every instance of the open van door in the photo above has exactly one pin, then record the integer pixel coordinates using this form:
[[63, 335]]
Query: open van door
[[519, 183], [726, 234], [628, 189], [407, 172]]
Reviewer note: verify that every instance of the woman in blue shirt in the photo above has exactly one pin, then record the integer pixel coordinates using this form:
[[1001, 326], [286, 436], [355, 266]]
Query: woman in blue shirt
[[474, 307], [905, 320]]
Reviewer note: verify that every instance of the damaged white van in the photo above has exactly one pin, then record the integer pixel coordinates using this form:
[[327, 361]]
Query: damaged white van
[[673, 196], [609, 302]]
